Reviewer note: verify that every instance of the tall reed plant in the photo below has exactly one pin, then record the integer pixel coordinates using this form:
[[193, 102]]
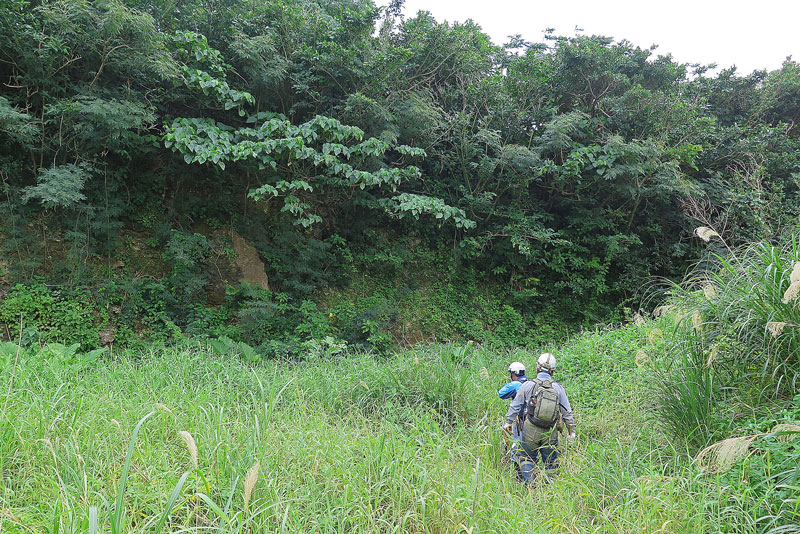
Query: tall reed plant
[[744, 308], [686, 396]]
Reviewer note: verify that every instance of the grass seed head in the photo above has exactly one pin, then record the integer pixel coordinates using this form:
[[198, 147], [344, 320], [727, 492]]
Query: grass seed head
[[641, 358], [191, 445], [485, 374], [250, 480], [705, 233], [163, 407], [697, 320], [791, 292], [787, 431], [655, 336], [712, 356], [776, 327], [709, 291], [721, 456], [660, 311], [795, 276], [638, 320]]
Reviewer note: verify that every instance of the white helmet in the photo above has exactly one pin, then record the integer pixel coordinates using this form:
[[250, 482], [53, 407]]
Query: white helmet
[[518, 368], [546, 362]]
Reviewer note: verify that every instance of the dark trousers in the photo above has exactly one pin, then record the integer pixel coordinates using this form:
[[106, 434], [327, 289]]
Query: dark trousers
[[537, 444]]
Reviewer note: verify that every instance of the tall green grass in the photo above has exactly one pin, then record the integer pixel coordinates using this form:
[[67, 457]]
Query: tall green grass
[[729, 363], [734, 348], [357, 443], [746, 316], [686, 398]]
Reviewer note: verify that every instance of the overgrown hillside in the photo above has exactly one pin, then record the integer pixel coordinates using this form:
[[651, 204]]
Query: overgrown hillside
[[687, 423], [263, 266], [144, 148]]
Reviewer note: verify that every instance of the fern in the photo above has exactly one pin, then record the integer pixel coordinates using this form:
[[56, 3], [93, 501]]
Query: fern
[[59, 186]]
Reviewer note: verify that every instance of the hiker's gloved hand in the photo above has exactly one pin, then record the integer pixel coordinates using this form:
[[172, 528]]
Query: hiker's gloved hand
[[507, 428]]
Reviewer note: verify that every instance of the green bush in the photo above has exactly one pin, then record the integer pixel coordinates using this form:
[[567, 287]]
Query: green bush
[[507, 326], [735, 340], [202, 321], [187, 254], [54, 314]]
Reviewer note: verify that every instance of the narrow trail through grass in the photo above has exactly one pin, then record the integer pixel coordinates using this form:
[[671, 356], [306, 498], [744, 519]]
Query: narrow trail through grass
[[407, 443]]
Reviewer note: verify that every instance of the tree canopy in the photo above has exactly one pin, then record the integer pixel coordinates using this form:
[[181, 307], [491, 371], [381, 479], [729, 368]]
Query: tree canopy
[[570, 171]]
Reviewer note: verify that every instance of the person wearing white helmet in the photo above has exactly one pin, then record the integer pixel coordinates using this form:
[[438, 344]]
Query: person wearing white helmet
[[509, 391], [540, 402], [517, 372]]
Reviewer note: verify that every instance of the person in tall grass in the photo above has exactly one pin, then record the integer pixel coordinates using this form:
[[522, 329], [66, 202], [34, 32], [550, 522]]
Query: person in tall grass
[[516, 370], [539, 403]]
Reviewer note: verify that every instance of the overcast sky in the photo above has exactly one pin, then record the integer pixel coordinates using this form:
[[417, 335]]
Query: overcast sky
[[749, 34]]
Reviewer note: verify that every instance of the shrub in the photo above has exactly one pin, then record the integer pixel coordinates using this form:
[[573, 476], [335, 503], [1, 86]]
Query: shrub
[[63, 315], [186, 253], [751, 297]]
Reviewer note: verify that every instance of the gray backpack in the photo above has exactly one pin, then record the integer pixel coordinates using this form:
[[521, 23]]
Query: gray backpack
[[542, 409]]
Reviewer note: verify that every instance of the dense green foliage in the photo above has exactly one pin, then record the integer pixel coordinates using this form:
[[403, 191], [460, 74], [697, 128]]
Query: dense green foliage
[[338, 137], [404, 182]]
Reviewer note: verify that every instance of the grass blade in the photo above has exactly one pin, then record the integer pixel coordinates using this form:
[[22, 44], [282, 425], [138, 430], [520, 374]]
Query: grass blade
[[94, 523], [57, 518], [171, 502], [117, 514], [216, 509]]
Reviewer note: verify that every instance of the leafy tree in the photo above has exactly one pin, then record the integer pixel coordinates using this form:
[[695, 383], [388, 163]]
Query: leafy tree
[[562, 174]]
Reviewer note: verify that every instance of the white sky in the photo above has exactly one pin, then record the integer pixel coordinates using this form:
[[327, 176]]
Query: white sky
[[749, 34]]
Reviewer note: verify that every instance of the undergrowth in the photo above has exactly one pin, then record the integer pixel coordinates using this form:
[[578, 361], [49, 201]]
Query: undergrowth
[[351, 443]]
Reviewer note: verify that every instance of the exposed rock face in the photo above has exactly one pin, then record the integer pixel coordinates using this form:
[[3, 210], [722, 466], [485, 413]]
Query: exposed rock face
[[249, 262], [107, 335]]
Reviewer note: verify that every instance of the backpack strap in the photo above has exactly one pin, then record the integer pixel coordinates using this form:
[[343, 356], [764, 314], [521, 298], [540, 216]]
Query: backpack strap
[[523, 411], [524, 408]]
